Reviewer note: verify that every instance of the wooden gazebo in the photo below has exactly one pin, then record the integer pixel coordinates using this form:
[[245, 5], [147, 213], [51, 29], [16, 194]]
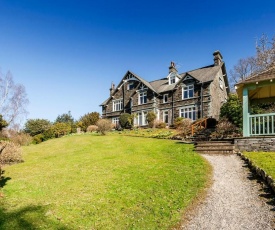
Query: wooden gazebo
[[259, 88]]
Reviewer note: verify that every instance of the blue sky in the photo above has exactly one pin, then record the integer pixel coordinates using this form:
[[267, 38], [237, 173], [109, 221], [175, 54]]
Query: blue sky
[[67, 53]]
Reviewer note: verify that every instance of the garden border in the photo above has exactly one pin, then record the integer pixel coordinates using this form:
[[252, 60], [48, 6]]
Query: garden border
[[259, 171]]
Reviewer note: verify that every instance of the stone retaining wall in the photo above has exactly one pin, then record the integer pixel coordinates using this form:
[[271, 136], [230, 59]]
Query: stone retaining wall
[[251, 144], [260, 172]]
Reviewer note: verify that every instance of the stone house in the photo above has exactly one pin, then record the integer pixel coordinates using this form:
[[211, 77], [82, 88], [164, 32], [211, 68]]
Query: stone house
[[193, 94]]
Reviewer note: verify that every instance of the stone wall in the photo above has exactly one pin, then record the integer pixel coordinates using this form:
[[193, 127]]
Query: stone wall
[[218, 95], [250, 144]]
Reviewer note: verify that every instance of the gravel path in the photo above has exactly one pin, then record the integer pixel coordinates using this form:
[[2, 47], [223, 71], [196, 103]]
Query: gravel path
[[234, 201]]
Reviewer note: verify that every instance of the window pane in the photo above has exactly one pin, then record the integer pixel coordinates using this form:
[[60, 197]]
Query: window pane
[[191, 93], [185, 94]]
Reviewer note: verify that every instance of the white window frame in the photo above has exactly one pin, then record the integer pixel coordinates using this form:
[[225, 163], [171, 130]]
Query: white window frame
[[172, 79], [117, 105], [188, 112], [115, 121], [164, 113], [142, 98], [165, 98], [188, 89], [140, 119]]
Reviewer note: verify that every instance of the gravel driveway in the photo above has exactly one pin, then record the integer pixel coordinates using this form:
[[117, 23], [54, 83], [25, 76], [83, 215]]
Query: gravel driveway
[[234, 201]]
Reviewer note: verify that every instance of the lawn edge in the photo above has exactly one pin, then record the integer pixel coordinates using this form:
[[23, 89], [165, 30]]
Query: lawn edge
[[194, 205], [266, 178]]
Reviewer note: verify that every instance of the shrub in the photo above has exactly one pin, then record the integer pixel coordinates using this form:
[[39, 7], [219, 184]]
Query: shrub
[[184, 127], [61, 129], [151, 117], [36, 126], [38, 138], [232, 110], [21, 138], [126, 120], [88, 119], [159, 124], [11, 153], [225, 129], [104, 125], [48, 134], [178, 122], [92, 128]]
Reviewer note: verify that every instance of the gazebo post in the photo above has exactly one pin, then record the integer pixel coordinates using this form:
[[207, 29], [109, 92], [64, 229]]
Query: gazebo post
[[245, 112]]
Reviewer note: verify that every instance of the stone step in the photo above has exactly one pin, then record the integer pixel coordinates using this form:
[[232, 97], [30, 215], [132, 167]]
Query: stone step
[[215, 151], [215, 148], [210, 143]]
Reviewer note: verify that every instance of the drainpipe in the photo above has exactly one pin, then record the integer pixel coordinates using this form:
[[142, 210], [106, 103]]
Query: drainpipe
[[201, 99], [172, 106]]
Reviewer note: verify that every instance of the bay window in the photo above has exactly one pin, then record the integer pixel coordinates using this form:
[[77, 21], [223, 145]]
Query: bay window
[[188, 112]]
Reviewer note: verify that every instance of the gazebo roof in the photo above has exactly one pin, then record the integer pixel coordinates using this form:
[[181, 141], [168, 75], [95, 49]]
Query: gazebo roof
[[262, 85]]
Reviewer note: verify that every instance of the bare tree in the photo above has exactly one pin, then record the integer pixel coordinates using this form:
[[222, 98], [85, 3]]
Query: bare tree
[[13, 100], [265, 55], [263, 59]]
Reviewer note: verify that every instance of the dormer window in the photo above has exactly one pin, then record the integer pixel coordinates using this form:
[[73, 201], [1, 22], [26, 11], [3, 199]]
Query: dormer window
[[172, 80]]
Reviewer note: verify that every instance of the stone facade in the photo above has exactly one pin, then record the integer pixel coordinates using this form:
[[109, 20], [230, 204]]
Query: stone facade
[[194, 94]]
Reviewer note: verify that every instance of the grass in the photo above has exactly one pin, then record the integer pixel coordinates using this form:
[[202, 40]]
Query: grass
[[264, 160], [101, 182]]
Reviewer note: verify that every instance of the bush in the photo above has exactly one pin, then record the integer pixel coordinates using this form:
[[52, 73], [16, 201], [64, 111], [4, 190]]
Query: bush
[[92, 128], [60, 129], [225, 129], [88, 119], [126, 120], [104, 125], [159, 124], [151, 117], [184, 127], [48, 134], [36, 126], [178, 122], [21, 138], [11, 153], [232, 110], [38, 138]]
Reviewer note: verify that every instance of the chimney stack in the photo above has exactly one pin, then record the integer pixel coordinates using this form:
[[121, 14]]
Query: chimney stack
[[112, 89], [217, 58], [172, 68]]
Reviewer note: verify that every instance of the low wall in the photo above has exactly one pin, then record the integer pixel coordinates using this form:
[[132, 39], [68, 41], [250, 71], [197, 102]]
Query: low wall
[[251, 144]]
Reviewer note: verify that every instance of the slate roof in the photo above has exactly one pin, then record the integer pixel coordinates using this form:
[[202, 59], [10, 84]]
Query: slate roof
[[204, 74]]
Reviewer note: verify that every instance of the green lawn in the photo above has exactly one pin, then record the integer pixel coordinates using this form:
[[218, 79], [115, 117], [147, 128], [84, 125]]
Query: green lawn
[[101, 182], [264, 160]]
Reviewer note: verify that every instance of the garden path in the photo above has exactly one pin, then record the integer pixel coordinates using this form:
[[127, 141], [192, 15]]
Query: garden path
[[236, 199]]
